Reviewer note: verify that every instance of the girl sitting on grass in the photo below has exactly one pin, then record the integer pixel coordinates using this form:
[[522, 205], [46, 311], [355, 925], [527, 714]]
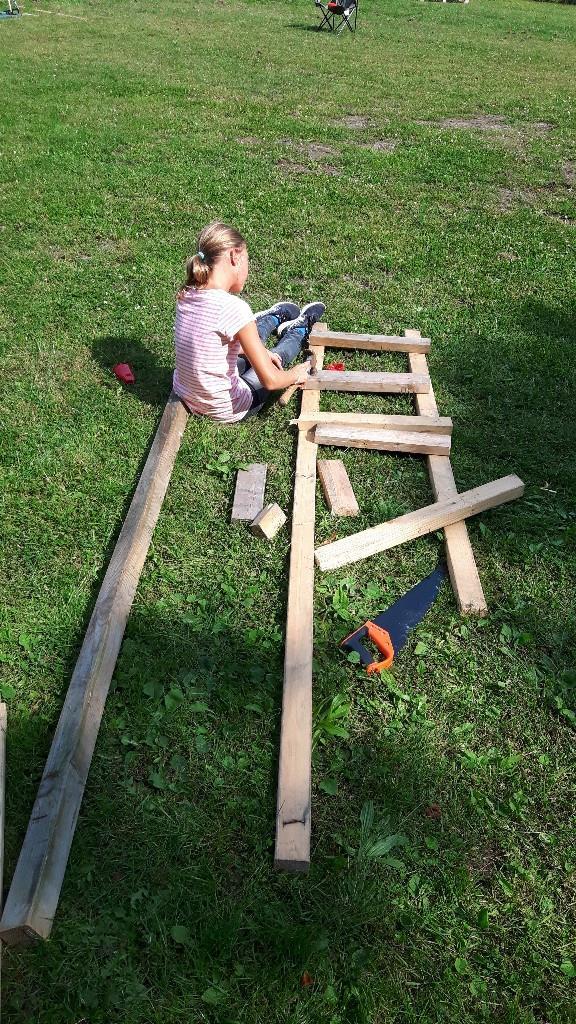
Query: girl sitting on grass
[[223, 368]]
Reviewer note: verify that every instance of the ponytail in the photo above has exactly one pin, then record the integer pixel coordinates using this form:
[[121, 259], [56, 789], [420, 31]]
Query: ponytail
[[214, 240]]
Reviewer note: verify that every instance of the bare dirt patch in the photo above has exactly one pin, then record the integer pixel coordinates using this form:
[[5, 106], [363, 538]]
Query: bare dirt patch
[[380, 146], [506, 199], [485, 862], [508, 256], [291, 167], [250, 140], [317, 150], [569, 172], [484, 123], [354, 121]]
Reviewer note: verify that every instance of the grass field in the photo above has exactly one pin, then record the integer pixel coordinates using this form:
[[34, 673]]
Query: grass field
[[420, 174]]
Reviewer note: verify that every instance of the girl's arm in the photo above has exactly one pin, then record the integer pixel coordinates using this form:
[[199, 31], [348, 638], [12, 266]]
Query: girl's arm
[[269, 375]]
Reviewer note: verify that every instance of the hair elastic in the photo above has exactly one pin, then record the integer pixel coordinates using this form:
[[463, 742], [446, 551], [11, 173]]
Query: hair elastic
[[201, 255]]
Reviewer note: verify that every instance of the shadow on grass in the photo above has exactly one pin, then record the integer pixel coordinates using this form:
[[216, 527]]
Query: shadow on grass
[[153, 381], [170, 902]]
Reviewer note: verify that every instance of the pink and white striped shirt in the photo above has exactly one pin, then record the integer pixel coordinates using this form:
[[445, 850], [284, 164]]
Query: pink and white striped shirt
[[206, 376]]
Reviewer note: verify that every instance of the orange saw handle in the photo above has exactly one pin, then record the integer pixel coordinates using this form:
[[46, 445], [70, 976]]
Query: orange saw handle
[[381, 639]]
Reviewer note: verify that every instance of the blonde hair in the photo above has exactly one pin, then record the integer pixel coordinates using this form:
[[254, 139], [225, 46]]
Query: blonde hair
[[216, 238]]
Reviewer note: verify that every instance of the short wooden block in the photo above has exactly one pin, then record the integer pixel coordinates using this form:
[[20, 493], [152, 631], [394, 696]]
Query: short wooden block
[[383, 440], [268, 522], [249, 493], [337, 487]]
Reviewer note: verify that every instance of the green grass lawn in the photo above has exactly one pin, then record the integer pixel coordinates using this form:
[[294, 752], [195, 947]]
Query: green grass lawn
[[420, 174]]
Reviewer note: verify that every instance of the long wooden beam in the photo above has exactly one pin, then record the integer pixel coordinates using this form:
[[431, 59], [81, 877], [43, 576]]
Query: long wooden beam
[[33, 897], [416, 524], [359, 380], [428, 424], [459, 554], [369, 342], [410, 441], [293, 811]]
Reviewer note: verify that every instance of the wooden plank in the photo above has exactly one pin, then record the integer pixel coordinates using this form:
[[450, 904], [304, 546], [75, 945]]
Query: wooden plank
[[249, 493], [293, 810], [369, 342], [3, 724], [410, 441], [459, 554], [337, 488], [428, 424], [359, 380], [33, 896], [417, 524]]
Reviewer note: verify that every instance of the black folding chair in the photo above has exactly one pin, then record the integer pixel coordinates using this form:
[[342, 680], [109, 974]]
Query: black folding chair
[[338, 15]]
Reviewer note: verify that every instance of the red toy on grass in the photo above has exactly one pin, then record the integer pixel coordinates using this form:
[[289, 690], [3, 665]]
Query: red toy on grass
[[124, 373]]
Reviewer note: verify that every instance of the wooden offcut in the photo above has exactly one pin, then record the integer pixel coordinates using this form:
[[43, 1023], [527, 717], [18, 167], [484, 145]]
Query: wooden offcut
[[428, 424], [33, 897], [249, 493], [293, 809], [268, 522], [337, 488], [416, 524], [360, 380], [369, 342], [459, 554], [412, 442]]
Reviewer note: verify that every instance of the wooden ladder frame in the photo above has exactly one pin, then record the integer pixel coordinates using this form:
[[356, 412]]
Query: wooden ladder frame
[[293, 812]]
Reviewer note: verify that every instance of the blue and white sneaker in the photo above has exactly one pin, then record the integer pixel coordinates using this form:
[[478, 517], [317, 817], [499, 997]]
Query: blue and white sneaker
[[309, 315], [281, 310]]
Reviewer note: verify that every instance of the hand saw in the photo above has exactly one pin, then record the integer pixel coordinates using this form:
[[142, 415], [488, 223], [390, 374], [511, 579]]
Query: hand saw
[[389, 631]]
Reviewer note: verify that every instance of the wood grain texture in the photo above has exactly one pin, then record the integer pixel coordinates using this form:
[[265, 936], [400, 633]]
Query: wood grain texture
[[337, 488], [249, 492], [269, 520], [459, 554], [3, 726], [369, 420], [359, 380], [417, 524], [410, 441], [369, 342], [293, 810], [33, 897]]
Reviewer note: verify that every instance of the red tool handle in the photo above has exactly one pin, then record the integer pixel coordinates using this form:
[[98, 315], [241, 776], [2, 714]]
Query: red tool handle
[[381, 639]]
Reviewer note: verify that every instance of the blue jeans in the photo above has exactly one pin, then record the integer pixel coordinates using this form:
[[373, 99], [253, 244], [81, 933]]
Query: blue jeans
[[289, 346]]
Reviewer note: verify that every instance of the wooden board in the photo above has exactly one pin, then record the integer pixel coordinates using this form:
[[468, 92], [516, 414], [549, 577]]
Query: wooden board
[[249, 493], [337, 488], [293, 810], [459, 554], [3, 724], [33, 897], [369, 342], [416, 524], [411, 441], [428, 424], [358, 380]]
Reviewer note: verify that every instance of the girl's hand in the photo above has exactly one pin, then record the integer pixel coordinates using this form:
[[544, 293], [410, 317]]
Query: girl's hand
[[301, 372], [276, 360]]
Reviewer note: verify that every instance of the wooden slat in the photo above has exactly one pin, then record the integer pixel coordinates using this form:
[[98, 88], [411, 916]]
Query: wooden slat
[[369, 342], [428, 424], [337, 488], [358, 380], [3, 724], [416, 524], [459, 554], [383, 440], [249, 493], [33, 896], [293, 811]]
